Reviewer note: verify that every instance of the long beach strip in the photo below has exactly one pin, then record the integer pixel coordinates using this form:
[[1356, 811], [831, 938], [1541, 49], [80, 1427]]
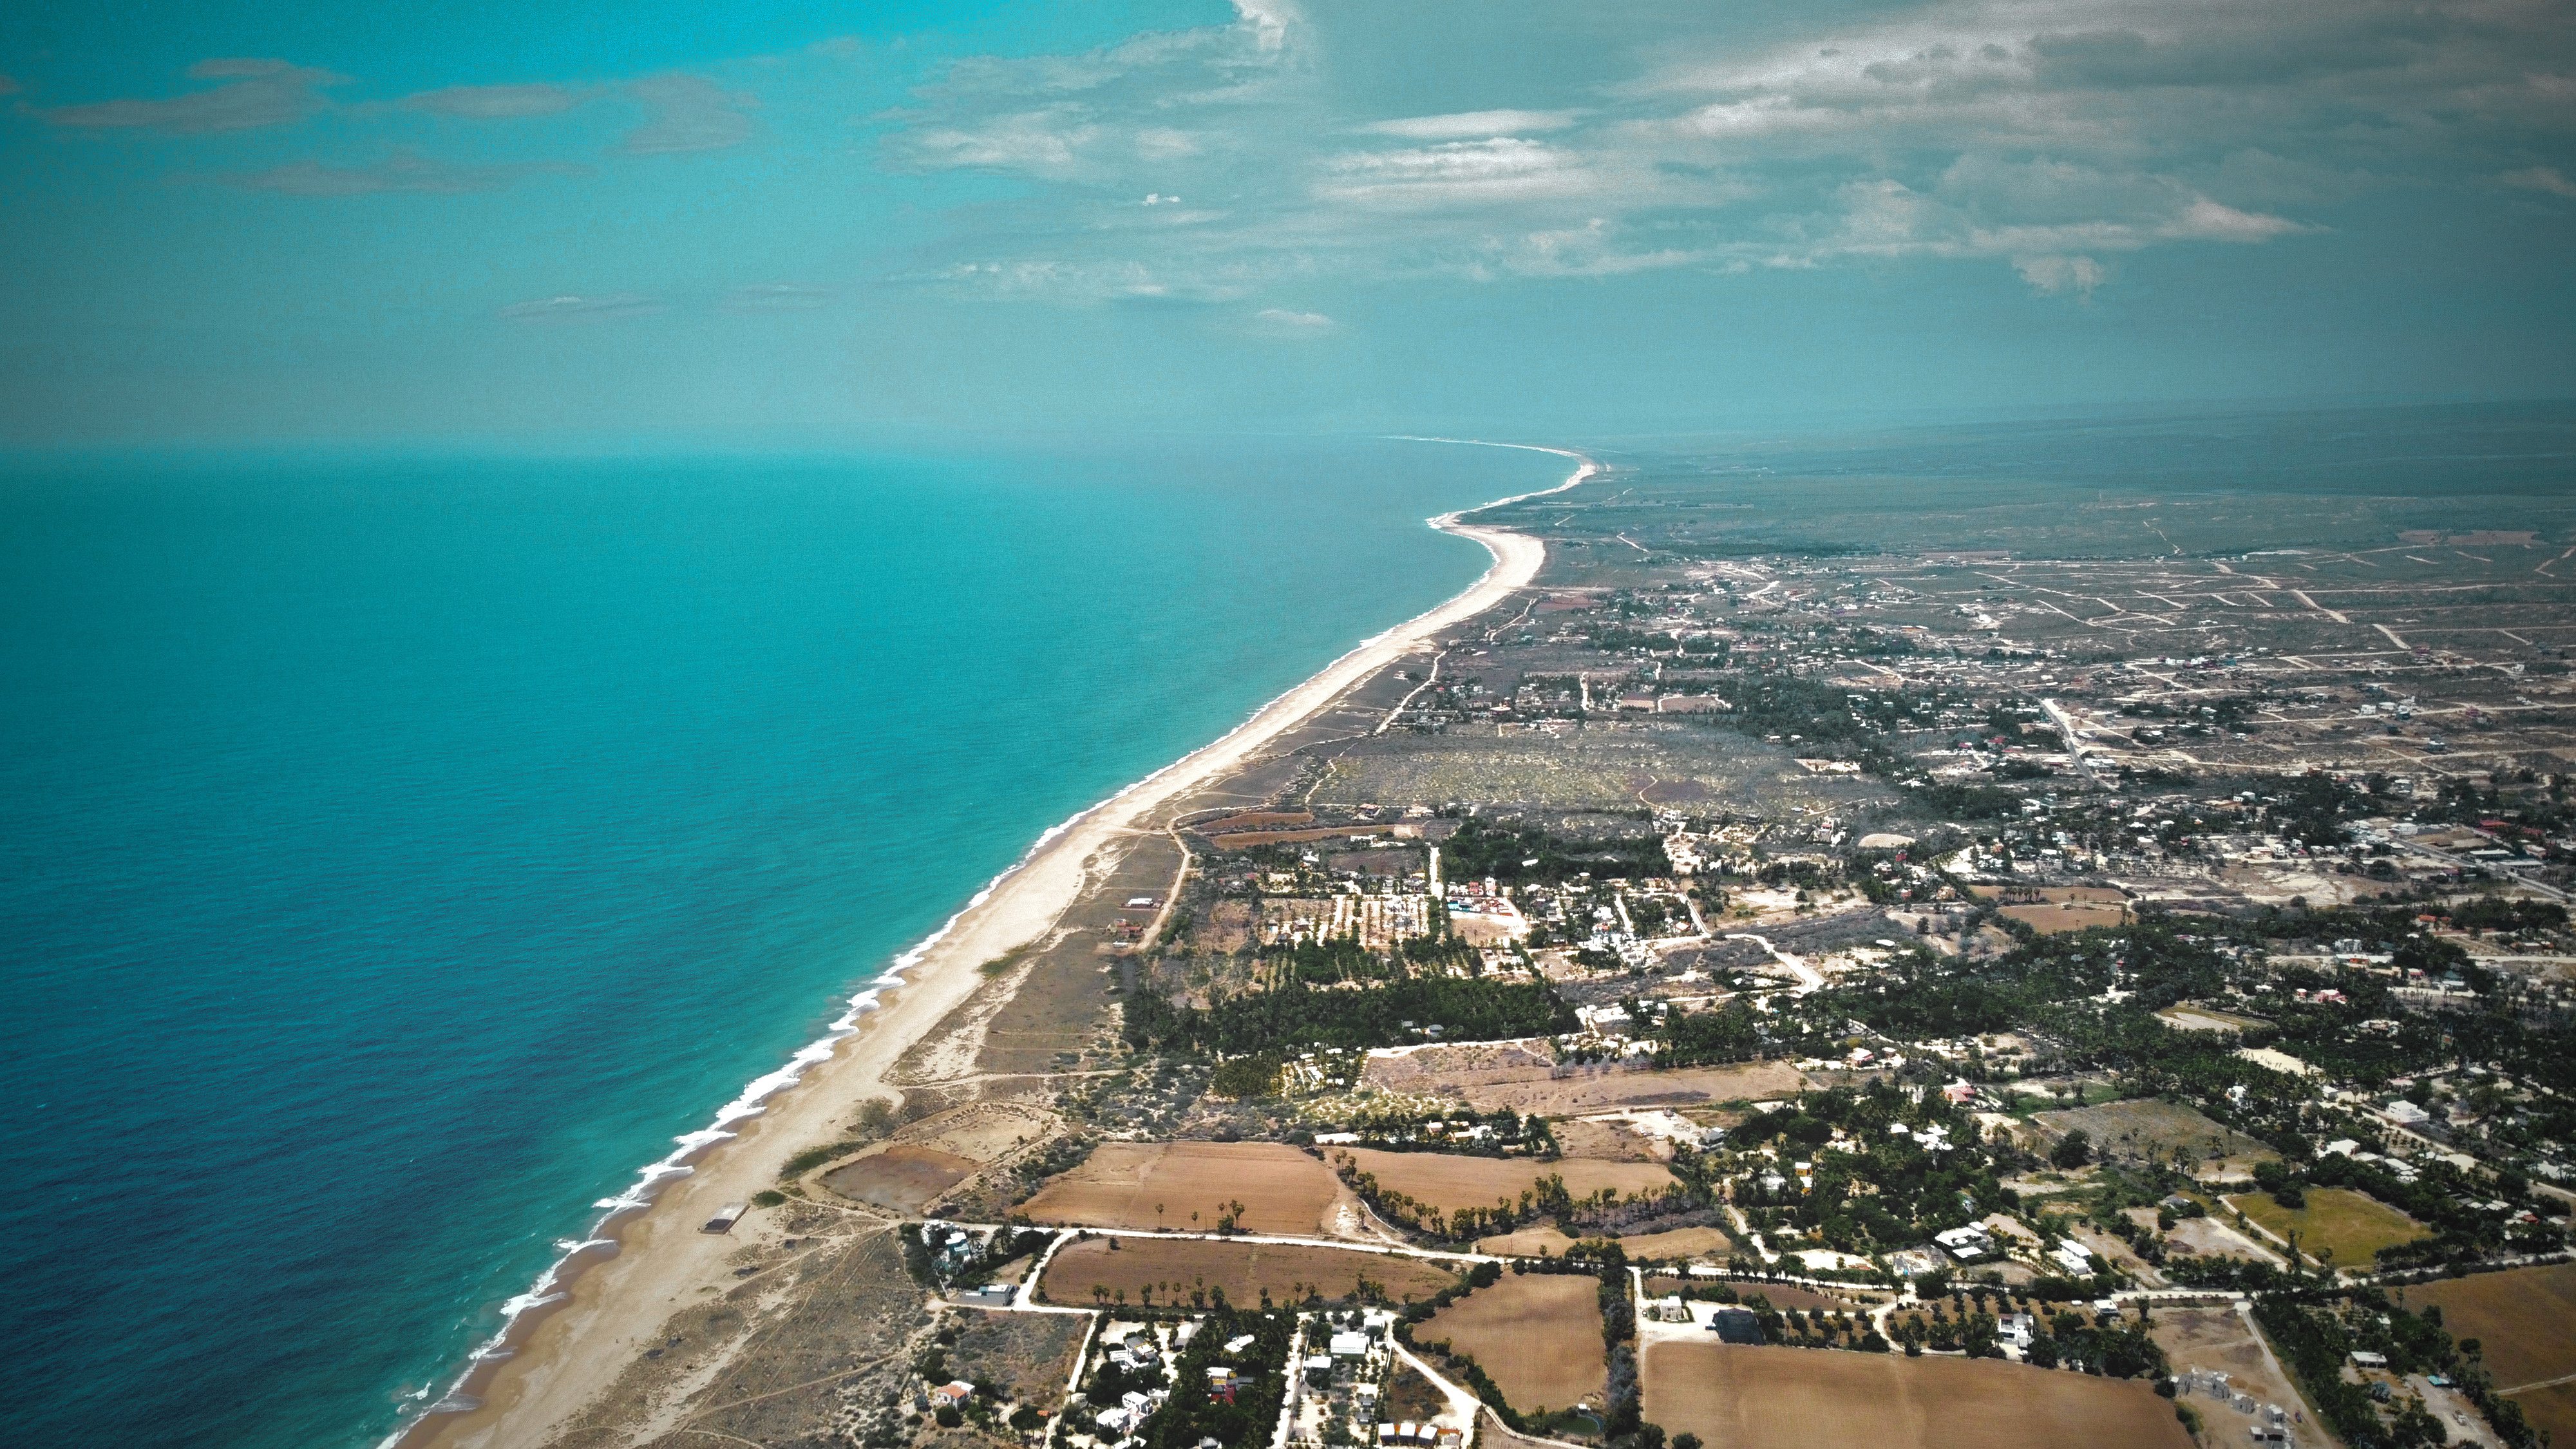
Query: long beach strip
[[568, 1338]]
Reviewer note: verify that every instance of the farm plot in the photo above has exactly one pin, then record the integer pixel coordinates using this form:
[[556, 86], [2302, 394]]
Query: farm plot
[[1791, 1398], [1184, 1270], [2337, 1226], [1676, 1245], [1537, 1334], [1161, 1184], [2525, 1324], [2149, 1128], [1450, 1182]]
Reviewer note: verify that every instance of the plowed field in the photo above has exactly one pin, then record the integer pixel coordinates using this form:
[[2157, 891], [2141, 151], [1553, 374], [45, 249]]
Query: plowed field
[[1794, 1398], [1537, 1334], [1120, 1186], [1244, 1270], [1452, 1182]]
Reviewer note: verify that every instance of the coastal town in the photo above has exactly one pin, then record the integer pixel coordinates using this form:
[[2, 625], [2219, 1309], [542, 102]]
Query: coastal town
[[1715, 997]]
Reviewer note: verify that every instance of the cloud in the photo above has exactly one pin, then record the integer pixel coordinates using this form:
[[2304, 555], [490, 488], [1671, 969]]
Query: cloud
[[1471, 125], [494, 103], [2049, 136], [261, 93], [777, 297], [581, 309], [2540, 178], [688, 113], [1282, 319], [2053, 275], [402, 171]]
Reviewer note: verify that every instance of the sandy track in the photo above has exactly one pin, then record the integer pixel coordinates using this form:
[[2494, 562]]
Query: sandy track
[[576, 1352]]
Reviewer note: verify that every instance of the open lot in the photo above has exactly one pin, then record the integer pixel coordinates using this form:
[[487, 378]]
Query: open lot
[[1450, 1182], [2525, 1322], [901, 1178], [2222, 1340], [1122, 1183], [1776, 1295], [1602, 1087], [1680, 1243], [1790, 1398], [1244, 1270], [2346, 1224], [1537, 1334], [2149, 1127], [1028, 1356]]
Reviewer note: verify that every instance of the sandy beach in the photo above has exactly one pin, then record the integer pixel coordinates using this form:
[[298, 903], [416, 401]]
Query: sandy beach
[[569, 1353]]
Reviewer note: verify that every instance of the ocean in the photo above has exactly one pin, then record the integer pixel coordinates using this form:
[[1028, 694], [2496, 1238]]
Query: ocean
[[401, 851]]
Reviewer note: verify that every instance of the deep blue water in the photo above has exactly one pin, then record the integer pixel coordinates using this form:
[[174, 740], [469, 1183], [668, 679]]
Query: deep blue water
[[395, 854]]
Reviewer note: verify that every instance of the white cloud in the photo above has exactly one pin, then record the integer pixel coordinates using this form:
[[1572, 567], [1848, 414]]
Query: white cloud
[[688, 113], [1284, 320], [400, 172], [260, 93], [581, 309], [2540, 178], [1472, 125], [2053, 275], [777, 297], [494, 103]]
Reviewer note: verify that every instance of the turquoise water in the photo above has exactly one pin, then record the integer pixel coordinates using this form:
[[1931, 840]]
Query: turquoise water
[[399, 853]]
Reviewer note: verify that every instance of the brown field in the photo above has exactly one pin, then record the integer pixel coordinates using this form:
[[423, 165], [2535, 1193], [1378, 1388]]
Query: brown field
[[1527, 1243], [2153, 1127], [1244, 1270], [1537, 1334], [2525, 1320], [1282, 1189], [2069, 916], [1778, 1295], [2221, 1339], [1450, 1183], [1597, 1089], [901, 1178], [1790, 1398], [1679, 1243], [2052, 895], [1245, 840]]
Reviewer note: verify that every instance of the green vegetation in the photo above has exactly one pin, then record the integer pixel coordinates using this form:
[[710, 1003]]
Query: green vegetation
[[1295, 1015]]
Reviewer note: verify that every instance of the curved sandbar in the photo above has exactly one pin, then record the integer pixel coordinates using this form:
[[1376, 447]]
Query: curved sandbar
[[572, 1355]]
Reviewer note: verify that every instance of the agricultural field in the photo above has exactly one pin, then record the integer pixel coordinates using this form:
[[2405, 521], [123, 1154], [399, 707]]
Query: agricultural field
[[2148, 1127], [1777, 1295], [1245, 1271], [2337, 1221], [1450, 1182], [2222, 1340], [1537, 1334], [2525, 1323], [1791, 1398], [1123, 1183]]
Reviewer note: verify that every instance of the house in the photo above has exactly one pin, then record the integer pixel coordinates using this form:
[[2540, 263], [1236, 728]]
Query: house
[[1113, 1421], [1966, 1244], [952, 1394], [2075, 1257], [2361, 1359], [2405, 1113], [1349, 1345], [2017, 1329]]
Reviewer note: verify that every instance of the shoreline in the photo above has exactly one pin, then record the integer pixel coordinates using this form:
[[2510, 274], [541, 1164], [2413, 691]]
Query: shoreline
[[558, 1348]]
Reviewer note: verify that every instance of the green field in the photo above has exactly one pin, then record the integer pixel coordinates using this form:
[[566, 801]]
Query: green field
[[2350, 1226]]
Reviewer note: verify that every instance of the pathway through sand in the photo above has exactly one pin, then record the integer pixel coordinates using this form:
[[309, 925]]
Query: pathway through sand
[[571, 1357]]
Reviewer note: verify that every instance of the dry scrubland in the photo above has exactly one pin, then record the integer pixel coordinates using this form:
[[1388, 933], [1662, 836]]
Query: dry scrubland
[[900, 1178], [1600, 1088], [1791, 1398], [1450, 1182], [1645, 1247], [2525, 1321], [1243, 1270], [2145, 1126], [1537, 1334], [1282, 1189], [2349, 1225], [1778, 1295]]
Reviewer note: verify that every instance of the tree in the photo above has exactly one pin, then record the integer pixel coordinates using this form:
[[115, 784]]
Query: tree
[[2074, 1150]]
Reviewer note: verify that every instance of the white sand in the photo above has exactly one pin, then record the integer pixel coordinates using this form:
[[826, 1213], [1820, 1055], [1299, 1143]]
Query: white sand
[[573, 1357]]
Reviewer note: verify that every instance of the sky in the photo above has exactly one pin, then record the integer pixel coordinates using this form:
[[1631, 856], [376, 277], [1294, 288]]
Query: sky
[[419, 222]]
